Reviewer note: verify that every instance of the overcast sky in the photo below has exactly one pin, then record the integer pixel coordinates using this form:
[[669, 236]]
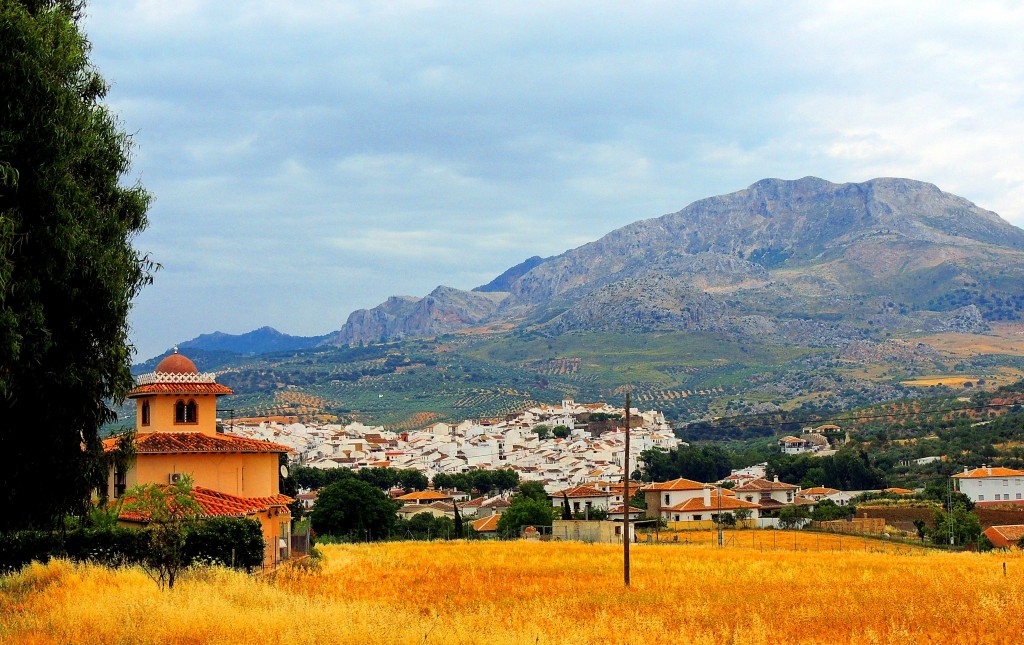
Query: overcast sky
[[312, 158]]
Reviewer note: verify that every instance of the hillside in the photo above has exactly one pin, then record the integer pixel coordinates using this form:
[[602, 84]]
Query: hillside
[[789, 295], [888, 253]]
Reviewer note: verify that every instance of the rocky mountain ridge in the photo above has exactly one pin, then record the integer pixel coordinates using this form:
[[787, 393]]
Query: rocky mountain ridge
[[754, 261]]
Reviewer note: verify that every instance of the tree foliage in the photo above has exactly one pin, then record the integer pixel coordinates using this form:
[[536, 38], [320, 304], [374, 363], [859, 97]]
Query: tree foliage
[[68, 270], [354, 509], [700, 463], [170, 512], [524, 511], [848, 469]]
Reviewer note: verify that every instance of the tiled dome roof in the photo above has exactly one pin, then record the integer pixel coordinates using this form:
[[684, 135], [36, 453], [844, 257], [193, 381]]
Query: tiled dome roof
[[177, 364]]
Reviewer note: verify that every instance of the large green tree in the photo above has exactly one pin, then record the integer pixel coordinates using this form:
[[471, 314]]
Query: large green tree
[[355, 509], [68, 269]]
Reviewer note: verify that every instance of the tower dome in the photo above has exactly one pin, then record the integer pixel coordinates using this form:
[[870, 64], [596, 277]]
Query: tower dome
[[177, 364]]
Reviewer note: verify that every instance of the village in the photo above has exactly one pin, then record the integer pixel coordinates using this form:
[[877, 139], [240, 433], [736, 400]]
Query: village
[[575, 452]]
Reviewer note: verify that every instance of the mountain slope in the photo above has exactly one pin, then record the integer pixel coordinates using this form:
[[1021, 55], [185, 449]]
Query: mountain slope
[[896, 248]]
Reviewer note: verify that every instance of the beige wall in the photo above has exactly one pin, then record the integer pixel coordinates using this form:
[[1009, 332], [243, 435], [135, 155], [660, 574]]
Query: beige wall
[[161, 413], [244, 475]]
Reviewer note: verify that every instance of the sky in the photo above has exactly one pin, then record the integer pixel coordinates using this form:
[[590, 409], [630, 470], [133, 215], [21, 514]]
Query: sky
[[310, 159]]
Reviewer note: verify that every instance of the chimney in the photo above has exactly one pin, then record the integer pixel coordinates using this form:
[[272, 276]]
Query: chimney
[[776, 479], [707, 496]]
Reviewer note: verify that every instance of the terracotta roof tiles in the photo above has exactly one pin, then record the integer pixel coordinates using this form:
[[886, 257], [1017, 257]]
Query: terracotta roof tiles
[[217, 504], [196, 442], [487, 524]]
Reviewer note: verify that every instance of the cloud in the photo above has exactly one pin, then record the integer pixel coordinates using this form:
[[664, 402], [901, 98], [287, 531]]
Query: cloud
[[361, 149]]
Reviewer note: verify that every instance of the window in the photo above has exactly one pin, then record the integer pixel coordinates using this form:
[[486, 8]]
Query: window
[[1018, 495], [1006, 482], [981, 498], [698, 517], [185, 412], [120, 482], [666, 498], [145, 413]]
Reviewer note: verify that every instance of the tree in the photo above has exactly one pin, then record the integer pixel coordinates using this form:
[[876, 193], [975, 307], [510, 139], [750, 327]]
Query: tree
[[524, 511], [790, 517], [827, 510], [412, 480], [533, 490], [68, 270], [961, 524], [169, 511], [353, 508], [542, 430], [922, 529], [566, 510], [560, 432]]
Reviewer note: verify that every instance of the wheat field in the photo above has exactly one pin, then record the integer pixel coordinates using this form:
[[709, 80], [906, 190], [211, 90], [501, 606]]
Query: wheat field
[[535, 592]]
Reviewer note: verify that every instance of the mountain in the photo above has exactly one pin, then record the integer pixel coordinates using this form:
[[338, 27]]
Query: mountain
[[442, 311], [504, 281], [800, 296], [260, 341], [894, 252]]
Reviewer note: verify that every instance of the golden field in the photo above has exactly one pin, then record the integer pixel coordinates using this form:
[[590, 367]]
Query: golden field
[[537, 592]]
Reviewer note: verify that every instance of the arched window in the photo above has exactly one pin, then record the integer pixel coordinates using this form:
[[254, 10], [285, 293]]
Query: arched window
[[145, 413], [185, 412]]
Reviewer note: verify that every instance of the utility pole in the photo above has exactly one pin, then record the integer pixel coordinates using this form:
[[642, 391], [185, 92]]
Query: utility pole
[[625, 502], [721, 541]]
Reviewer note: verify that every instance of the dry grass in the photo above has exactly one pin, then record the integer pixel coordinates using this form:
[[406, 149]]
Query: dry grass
[[1004, 338], [951, 381], [556, 592]]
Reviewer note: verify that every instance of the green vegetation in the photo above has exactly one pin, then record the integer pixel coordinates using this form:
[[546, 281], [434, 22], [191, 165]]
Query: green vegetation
[[68, 268], [354, 510]]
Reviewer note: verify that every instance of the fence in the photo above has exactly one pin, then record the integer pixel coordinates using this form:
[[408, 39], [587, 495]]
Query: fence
[[867, 525]]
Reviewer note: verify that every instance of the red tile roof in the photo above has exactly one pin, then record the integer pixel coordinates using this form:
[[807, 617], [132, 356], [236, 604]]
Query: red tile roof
[[697, 504], [421, 495], [989, 472], [179, 388], [487, 524], [1004, 536], [764, 485], [162, 443], [579, 491], [217, 504], [675, 484], [820, 490]]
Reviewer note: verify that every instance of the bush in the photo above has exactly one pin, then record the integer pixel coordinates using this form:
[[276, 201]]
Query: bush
[[210, 541], [226, 541]]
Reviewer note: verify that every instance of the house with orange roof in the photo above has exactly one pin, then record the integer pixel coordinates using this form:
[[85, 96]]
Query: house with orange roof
[[437, 509], [769, 495], [991, 484], [818, 493], [487, 526], [425, 497], [177, 435], [1006, 536], [582, 499], [661, 495], [710, 505]]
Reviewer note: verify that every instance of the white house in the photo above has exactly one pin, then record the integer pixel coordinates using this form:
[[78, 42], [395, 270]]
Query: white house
[[987, 484], [661, 495], [582, 498], [708, 506]]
